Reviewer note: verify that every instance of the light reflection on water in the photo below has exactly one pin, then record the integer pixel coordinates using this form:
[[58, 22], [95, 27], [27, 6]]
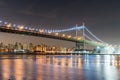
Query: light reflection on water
[[62, 67]]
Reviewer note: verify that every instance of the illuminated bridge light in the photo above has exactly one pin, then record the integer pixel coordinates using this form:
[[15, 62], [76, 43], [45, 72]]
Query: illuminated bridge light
[[36, 29], [5, 23], [41, 30], [49, 32], [29, 28], [69, 36], [0, 21], [46, 31], [32, 29], [63, 35], [79, 38], [9, 25], [26, 28], [14, 25], [21, 27], [56, 34]]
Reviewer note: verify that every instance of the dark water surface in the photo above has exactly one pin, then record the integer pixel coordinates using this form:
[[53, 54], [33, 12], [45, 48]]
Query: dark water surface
[[63, 67]]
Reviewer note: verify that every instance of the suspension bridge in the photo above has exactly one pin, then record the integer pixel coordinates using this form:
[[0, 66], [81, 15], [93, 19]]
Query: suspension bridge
[[82, 37]]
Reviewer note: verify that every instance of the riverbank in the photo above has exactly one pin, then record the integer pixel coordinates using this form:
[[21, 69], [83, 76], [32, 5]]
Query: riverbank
[[43, 53]]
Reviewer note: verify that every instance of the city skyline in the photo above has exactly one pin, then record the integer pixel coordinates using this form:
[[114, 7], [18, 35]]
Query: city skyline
[[101, 17]]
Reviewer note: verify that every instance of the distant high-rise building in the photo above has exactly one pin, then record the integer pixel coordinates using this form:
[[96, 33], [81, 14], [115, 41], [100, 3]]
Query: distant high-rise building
[[31, 47]]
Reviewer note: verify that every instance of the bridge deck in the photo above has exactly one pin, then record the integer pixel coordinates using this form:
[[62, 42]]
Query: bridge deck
[[38, 34]]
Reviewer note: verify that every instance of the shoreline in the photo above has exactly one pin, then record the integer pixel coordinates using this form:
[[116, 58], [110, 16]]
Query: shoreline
[[43, 53]]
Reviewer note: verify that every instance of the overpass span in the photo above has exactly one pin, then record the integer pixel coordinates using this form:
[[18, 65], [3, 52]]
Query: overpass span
[[46, 35], [38, 34]]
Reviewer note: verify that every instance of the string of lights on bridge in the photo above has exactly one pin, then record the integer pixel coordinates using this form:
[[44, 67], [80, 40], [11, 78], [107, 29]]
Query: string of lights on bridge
[[56, 32]]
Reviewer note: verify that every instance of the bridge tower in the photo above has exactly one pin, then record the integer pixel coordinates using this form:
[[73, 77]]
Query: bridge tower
[[81, 34]]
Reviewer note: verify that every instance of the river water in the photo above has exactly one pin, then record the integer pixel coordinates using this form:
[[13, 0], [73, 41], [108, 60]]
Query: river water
[[60, 67]]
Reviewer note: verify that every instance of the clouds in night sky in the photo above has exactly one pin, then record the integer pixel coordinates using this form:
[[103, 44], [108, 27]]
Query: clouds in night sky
[[101, 16]]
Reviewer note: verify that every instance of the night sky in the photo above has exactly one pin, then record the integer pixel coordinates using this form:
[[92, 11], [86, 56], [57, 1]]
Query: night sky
[[102, 17]]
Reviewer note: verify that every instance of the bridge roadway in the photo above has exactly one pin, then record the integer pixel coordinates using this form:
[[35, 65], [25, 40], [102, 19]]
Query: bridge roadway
[[46, 35]]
